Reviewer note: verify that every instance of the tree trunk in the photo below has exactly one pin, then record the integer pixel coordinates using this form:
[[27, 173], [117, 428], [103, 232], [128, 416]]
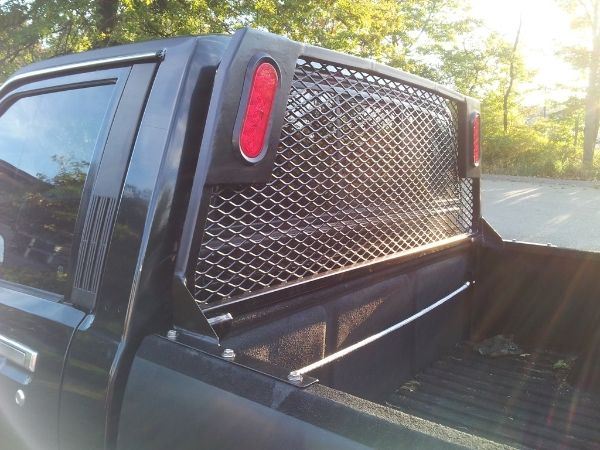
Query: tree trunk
[[106, 11], [592, 99], [592, 105], [511, 79]]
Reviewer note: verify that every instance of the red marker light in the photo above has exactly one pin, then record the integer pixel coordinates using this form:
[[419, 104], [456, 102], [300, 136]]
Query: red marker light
[[258, 111], [476, 139]]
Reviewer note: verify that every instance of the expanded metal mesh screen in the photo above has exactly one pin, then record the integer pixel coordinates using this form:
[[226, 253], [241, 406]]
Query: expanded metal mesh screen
[[366, 168]]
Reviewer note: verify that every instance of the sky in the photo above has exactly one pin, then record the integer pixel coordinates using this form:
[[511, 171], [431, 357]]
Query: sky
[[78, 114], [545, 29]]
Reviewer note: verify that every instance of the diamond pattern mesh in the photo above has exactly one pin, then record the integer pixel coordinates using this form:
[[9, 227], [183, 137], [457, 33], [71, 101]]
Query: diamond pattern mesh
[[366, 168]]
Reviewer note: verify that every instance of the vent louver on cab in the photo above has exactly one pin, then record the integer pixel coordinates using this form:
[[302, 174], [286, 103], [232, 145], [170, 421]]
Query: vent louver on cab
[[366, 168], [94, 242]]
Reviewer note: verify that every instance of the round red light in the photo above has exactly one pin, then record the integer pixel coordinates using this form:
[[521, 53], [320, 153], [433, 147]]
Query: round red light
[[258, 111]]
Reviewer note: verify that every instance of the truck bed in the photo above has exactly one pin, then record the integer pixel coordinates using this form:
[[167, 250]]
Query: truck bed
[[520, 400]]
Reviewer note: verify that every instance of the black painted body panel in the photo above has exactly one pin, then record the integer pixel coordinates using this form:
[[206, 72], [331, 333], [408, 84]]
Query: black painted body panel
[[131, 301], [199, 415], [181, 398], [46, 327]]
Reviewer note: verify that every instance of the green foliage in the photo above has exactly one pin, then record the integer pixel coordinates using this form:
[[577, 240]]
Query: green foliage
[[354, 26], [535, 145], [437, 39], [150, 19], [416, 35]]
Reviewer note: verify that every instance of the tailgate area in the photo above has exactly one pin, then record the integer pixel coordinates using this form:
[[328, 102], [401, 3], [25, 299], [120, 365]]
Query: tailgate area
[[521, 400]]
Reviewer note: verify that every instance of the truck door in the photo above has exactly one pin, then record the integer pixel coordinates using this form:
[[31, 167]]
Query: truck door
[[52, 137]]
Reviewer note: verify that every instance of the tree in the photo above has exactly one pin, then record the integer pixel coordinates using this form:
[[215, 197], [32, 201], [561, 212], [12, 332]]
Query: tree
[[399, 33], [586, 17], [511, 79], [437, 39]]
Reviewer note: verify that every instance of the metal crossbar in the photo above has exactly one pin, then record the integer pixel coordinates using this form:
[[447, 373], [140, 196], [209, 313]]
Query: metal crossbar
[[296, 375]]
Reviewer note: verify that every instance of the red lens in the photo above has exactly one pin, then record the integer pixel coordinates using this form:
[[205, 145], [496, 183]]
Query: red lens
[[476, 139], [258, 111]]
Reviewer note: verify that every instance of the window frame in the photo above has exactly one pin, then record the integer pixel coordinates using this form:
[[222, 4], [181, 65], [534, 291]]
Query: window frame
[[64, 82]]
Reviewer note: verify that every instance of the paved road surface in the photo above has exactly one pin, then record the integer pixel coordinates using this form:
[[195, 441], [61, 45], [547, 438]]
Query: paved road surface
[[565, 213]]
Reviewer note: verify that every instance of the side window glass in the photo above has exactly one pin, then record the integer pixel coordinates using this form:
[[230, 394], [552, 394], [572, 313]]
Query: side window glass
[[46, 146]]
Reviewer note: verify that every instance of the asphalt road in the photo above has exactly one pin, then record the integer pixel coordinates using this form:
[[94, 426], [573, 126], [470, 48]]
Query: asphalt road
[[564, 213]]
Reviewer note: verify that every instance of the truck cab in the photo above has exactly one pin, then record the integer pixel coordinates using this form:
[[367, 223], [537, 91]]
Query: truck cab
[[221, 240]]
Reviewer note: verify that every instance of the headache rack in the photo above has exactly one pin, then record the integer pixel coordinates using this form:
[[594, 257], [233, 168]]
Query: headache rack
[[366, 169]]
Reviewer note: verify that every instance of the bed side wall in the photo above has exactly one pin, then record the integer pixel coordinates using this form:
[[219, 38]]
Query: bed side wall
[[546, 297], [329, 320]]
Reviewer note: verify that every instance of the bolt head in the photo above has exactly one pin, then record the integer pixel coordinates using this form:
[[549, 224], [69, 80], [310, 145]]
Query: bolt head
[[172, 335], [20, 398], [228, 353], [295, 377]]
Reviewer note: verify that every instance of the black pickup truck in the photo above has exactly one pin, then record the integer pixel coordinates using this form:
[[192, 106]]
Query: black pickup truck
[[246, 242]]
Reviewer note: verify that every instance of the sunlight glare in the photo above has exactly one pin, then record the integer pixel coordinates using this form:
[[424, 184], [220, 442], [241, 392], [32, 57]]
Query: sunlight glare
[[545, 30]]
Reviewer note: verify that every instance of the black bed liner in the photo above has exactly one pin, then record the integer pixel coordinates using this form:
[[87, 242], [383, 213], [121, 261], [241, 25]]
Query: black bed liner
[[522, 400]]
